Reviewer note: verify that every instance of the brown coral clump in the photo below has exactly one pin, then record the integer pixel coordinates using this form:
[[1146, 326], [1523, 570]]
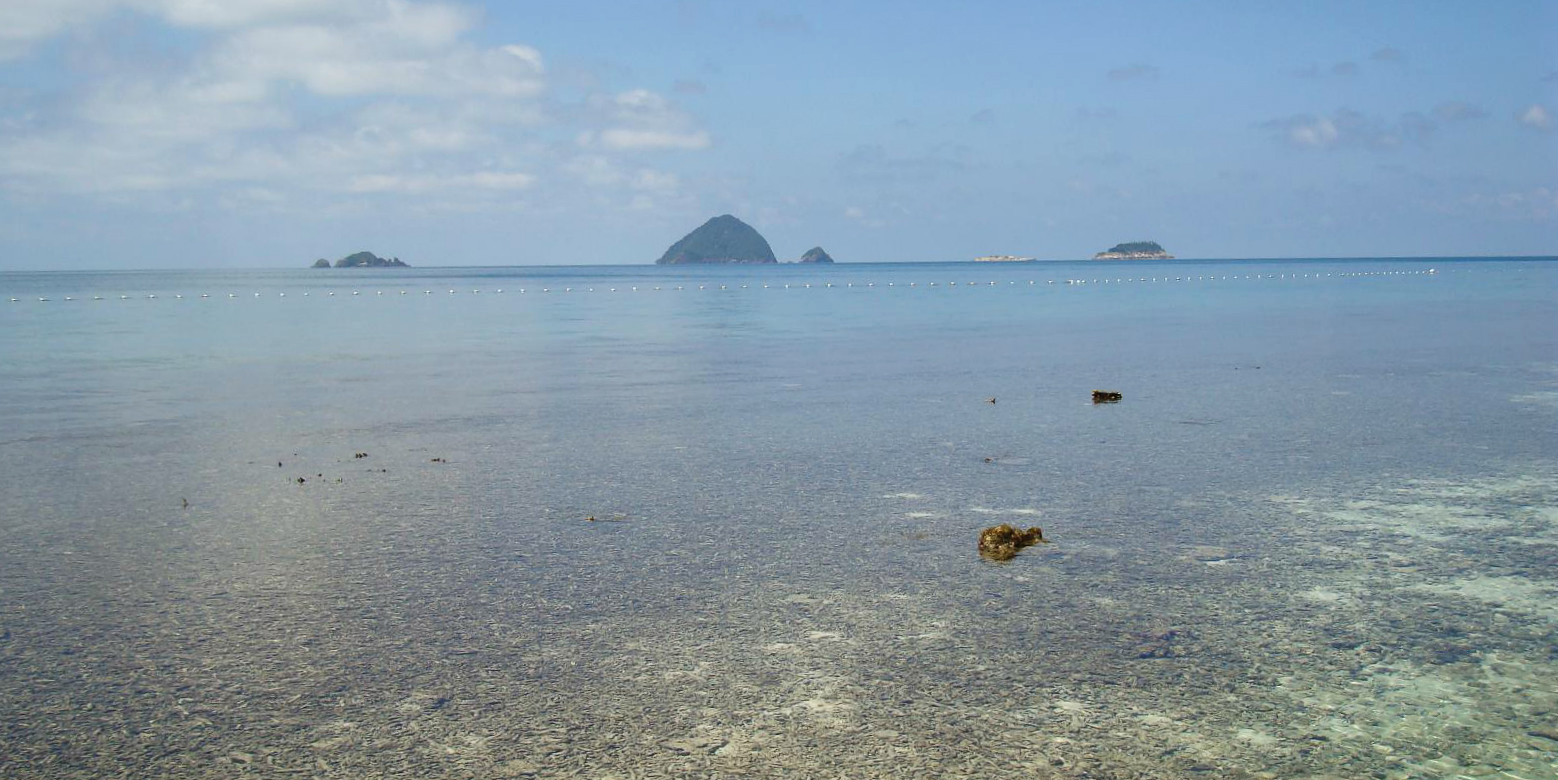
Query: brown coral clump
[[1001, 542]]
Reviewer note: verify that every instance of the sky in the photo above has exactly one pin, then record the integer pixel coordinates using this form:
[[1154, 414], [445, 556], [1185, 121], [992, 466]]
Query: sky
[[269, 133]]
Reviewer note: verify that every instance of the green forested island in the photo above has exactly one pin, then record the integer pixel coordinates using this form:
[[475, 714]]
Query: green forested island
[[723, 239], [1134, 250], [362, 260], [815, 255]]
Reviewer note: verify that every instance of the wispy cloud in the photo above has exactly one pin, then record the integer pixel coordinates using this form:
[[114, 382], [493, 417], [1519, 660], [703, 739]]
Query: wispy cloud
[[872, 163], [1537, 118], [1346, 70], [1134, 72], [1350, 129], [1388, 54], [790, 23], [1458, 111]]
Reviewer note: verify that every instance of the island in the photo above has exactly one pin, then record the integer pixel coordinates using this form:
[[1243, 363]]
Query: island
[[1001, 259], [723, 239], [1135, 250], [815, 255], [362, 260]]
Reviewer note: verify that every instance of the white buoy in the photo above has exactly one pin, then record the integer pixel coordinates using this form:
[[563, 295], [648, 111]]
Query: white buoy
[[205, 295], [68, 298]]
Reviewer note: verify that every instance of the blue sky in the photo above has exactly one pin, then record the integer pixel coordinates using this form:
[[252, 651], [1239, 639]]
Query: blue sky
[[267, 133]]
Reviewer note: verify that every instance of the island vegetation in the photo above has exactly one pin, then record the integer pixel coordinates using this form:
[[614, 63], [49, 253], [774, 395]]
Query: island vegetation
[[723, 239], [815, 255], [1135, 250], [362, 260]]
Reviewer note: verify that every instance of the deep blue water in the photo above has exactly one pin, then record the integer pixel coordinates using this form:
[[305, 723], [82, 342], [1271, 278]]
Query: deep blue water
[[749, 427]]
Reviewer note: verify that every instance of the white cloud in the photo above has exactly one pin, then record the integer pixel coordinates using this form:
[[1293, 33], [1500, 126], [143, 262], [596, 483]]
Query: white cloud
[[624, 139], [1318, 132], [26, 22], [1536, 118], [644, 120], [483, 180], [275, 99]]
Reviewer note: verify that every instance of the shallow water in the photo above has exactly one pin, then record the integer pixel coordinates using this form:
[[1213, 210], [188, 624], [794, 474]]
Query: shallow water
[[1315, 539]]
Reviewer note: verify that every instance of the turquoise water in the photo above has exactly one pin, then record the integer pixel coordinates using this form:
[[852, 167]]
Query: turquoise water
[[1315, 538]]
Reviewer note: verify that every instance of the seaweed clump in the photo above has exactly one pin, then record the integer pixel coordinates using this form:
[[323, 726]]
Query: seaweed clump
[[1106, 397], [1001, 542]]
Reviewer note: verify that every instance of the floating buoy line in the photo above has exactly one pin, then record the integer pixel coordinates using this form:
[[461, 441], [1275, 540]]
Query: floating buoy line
[[871, 285]]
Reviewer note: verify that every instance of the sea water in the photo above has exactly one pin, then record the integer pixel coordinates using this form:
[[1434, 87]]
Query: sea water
[[669, 521]]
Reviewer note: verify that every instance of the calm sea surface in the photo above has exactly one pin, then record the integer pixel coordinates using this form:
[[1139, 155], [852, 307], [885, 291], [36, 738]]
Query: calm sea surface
[[617, 522]]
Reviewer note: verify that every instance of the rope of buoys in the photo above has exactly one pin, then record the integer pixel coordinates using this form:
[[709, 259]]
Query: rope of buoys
[[871, 284]]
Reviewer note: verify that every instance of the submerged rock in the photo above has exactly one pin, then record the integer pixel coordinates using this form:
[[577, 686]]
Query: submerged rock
[[1001, 542]]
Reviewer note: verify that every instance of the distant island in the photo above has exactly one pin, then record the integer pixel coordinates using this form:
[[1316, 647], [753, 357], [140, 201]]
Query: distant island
[[1001, 259], [362, 260], [723, 239], [815, 255], [1135, 250]]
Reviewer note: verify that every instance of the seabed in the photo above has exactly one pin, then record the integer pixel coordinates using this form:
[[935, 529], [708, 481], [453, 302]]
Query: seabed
[[1400, 631]]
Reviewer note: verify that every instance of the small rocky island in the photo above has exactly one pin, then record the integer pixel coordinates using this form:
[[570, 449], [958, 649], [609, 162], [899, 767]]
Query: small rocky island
[[1002, 259], [815, 255], [1135, 250], [362, 260], [723, 239]]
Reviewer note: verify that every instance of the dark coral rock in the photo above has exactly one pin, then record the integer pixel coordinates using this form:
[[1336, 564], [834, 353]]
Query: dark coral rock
[[1001, 542]]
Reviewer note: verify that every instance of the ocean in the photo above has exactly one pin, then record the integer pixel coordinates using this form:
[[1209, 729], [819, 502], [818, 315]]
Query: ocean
[[639, 521]]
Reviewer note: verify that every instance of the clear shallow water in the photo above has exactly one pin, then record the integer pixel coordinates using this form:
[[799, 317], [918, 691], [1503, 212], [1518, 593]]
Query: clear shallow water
[[1316, 538]]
